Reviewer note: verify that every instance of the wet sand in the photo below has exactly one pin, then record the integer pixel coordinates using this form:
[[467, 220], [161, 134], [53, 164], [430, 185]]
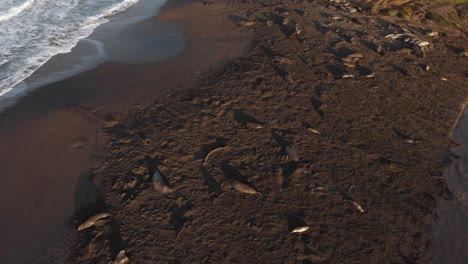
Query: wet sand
[[48, 138]]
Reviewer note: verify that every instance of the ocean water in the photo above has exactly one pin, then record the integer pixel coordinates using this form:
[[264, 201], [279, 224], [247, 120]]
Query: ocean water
[[34, 31]]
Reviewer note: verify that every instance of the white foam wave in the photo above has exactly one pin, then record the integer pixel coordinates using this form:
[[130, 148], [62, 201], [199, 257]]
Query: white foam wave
[[14, 11], [49, 28]]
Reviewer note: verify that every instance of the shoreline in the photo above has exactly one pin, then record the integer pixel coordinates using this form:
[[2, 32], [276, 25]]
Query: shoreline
[[98, 48], [47, 148]]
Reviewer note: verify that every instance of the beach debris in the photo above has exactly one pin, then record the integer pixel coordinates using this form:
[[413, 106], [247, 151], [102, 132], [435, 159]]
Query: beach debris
[[243, 188], [284, 74], [359, 21], [395, 36], [253, 125], [246, 23], [96, 245], [340, 43], [110, 124], [337, 18], [210, 182], [422, 65], [211, 153], [159, 183], [124, 141], [379, 48], [319, 189], [288, 78], [280, 178], [432, 34], [95, 110], [77, 145], [140, 170], [281, 60], [86, 113], [350, 9], [213, 185], [402, 70], [352, 60], [356, 206], [207, 3], [247, 120], [313, 130], [291, 152], [298, 29], [464, 53], [444, 79], [121, 258], [131, 184], [347, 76], [182, 229], [92, 221], [412, 141], [344, 5], [418, 51], [321, 107], [300, 229]]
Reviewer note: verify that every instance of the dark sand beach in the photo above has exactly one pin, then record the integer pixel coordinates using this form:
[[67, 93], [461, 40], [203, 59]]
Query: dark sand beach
[[284, 132], [48, 138], [327, 124]]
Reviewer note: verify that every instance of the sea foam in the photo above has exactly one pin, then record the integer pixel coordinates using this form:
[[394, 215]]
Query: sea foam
[[32, 32], [15, 10]]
